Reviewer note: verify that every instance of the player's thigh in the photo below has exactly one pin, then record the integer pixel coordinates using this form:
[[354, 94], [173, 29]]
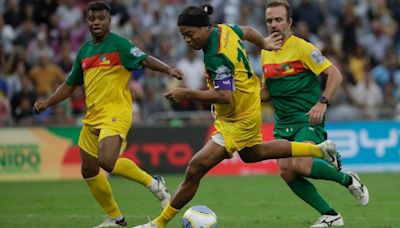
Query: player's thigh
[[90, 165], [110, 145], [88, 140], [209, 156], [315, 134], [300, 165]]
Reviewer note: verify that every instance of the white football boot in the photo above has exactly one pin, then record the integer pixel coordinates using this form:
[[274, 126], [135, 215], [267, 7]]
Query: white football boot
[[109, 222], [328, 221], [358, 189], [147, 225], [160, 191], [331, 155]]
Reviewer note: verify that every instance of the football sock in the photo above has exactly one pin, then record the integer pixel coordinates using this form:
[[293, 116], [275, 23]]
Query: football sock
[[322, 170], [127, 168], [101, 190], [331, 212], [306, 150], [166, 215], [308, 193]]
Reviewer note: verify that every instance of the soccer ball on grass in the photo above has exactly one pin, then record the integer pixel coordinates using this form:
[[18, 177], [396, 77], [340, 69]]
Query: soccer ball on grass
[[199, 216]]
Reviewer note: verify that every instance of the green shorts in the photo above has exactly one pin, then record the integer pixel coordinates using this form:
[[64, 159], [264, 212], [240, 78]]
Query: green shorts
[[300, 133]]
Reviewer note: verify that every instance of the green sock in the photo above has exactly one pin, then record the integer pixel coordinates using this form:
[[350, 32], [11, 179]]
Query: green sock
[[322, 170], [308, 193]]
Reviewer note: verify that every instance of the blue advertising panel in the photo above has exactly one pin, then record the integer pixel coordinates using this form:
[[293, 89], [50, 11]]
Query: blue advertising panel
[[367, 146]]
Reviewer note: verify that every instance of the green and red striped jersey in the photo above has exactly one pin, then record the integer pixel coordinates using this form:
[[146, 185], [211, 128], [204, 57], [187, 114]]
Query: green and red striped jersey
[[104, 70], [291, 79]]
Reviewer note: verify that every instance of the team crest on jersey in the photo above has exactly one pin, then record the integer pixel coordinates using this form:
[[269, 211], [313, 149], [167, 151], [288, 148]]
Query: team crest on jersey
[[135, 51], [287, 68], [222, 72], [317, 57], [104, 60]]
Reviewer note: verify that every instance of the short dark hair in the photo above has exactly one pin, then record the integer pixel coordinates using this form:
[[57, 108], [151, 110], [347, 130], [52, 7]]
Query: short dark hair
[[275, 3], [98, 6]]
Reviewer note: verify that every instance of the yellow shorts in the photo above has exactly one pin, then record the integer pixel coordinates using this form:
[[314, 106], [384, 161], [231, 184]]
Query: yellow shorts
[[238, 135], [90, 137]]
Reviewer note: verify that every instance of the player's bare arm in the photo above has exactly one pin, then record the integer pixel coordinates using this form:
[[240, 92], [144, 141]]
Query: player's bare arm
[[317, 112], [157, 65], [211, 96], [334, 81], [270, 43], [63, 92]]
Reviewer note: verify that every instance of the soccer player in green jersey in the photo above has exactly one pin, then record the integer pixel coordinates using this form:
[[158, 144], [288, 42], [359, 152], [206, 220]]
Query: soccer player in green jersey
[[234, 91], [103, 66], [291, 76]]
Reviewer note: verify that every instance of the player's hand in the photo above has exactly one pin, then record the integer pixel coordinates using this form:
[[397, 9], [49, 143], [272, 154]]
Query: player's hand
[[40, 106], [176, 73], [317, 113], [176, 95], [273, 41]]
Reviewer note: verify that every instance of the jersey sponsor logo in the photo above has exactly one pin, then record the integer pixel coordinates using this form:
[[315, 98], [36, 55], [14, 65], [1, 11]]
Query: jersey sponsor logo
[[317, 57], [135, 51], [222, 72]]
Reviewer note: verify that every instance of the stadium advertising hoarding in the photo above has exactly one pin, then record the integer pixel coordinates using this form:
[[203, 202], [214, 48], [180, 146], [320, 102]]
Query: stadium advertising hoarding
[[368, 146], [52, 153], [38, 154]]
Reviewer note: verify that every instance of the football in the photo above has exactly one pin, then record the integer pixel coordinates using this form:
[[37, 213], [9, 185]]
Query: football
[[199, 216]]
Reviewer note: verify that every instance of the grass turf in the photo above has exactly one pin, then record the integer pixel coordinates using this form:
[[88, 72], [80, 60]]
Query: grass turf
[[245, 201]]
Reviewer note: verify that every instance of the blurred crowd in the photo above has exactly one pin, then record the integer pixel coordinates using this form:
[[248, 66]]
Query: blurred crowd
[[40, 38]]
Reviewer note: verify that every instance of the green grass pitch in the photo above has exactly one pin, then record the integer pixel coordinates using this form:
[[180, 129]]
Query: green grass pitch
[[246, 201]]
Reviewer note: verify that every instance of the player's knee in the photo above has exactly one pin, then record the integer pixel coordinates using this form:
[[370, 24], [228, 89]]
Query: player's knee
[[247, 157], [287, 175], [88, 172], [290, 170], [107, 165], [195, 169]]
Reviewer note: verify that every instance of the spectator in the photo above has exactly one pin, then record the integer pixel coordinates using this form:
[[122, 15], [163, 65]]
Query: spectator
[[376, 43], [70, 14], [5, 109], [46, 76], [309, 12], [22, 102], [357, 62], [367, 95], [12, 14], [25, 33], [7, 35]]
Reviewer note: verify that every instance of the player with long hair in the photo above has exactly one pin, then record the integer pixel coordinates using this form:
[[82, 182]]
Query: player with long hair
[[234, 91]]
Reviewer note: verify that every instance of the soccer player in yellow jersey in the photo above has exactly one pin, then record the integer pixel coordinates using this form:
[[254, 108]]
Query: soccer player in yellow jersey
[[234, 91], [103, 66], [291, 78]]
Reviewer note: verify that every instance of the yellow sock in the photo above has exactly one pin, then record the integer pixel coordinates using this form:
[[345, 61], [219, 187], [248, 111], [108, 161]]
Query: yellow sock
[[127, 168], [306, 150], [101, 190], [166, 215]]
